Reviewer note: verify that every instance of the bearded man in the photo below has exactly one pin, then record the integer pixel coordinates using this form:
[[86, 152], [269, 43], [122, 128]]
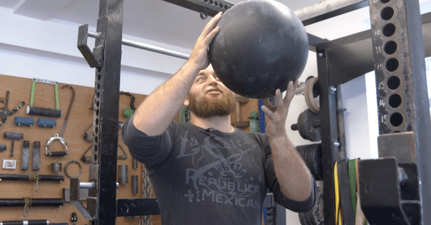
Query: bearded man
[[207, 172]]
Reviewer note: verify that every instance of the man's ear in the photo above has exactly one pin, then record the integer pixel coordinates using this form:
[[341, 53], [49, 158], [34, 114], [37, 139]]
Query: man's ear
[[186, 101]]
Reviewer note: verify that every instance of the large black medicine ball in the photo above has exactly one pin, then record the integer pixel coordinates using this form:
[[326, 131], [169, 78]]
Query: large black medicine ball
[[260, 47]]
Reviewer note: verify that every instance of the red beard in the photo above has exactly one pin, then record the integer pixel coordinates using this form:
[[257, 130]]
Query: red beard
[[205, 107]]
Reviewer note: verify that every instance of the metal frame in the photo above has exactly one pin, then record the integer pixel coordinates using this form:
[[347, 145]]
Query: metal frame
[[338, 61]]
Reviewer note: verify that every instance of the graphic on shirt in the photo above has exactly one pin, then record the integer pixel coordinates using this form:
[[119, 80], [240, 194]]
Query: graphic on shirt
[[222, 172]]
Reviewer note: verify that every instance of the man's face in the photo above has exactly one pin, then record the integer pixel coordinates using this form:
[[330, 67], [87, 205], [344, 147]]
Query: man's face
[[209, 97]]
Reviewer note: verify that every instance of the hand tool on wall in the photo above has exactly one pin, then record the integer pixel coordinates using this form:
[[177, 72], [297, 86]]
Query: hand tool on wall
[[31, 110], [24, 121], [63, 127], [31, 177], [27, 202], [4, 111], [13, 137]]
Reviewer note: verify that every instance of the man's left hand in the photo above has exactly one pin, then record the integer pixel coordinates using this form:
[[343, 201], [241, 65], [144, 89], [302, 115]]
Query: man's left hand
[[276, 121]]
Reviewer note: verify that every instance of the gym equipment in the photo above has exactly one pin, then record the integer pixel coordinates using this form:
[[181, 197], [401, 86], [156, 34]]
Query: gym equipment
[[56, 166], [13, 137], [66, 171], [87, 159], [5, 111], [74, 217], [30, 222], [57, 137], [128, 112], [254, 121], [24, 121], [134, 184], [308, 125], [260, 47], [50, 123], [32, 177], [310, 93], [31, 110], [27, 202], [122, 174], [25, 155], [184, 115], [87, 135], [315, 216], [239, 100], [312, 156], [36, 156]]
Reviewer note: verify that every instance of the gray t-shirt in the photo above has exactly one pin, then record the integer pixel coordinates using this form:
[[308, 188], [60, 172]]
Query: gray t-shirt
[[207, 177]]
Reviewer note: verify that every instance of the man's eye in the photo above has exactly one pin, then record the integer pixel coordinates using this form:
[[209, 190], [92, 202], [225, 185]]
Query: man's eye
[[200, 79]]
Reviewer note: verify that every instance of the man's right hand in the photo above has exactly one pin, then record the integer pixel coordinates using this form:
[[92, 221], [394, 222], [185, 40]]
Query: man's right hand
[[199, 56]]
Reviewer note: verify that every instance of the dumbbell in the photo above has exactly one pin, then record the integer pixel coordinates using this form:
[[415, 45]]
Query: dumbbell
[[308, 125]]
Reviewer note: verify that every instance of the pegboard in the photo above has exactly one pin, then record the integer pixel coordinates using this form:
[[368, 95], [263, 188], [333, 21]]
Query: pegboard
[[81, 117]]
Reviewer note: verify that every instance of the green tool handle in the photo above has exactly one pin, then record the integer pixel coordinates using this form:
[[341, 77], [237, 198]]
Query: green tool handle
[[33, 87], [57, 103]]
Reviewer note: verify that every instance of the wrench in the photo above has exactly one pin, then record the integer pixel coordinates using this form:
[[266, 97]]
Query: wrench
[[63, 127]]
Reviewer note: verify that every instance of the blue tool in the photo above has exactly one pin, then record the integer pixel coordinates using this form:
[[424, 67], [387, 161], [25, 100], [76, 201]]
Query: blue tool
[[23, 121], [50, 123]]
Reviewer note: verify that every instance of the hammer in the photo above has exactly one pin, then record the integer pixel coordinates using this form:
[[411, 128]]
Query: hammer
[[13, 137]]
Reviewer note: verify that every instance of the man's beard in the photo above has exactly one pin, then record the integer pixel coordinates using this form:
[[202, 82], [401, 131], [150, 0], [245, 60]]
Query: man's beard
[[205, 108]]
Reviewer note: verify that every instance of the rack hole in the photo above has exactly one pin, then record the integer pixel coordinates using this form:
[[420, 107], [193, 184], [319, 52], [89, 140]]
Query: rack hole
[[95, 158], [96, 139], [387, 13], [389, 29], [384, 1], [96, 122], [95, 148], [390, 47], [96, 130], [392, 64], [393, 82], [394, 101], [396, 119]]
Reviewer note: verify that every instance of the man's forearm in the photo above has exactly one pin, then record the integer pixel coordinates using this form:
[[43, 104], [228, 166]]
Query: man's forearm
[[157, 111], [291, 171]]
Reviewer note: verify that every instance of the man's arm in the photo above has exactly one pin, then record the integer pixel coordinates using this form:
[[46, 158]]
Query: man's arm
[[292, 173], [155, 114]]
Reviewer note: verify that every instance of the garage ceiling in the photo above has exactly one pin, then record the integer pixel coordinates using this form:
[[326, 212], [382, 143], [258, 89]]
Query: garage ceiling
[[155, 20]]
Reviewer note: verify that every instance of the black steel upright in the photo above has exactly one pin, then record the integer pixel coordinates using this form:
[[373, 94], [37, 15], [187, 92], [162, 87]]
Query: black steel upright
[[403, 105], [330, 142], [106, 111]]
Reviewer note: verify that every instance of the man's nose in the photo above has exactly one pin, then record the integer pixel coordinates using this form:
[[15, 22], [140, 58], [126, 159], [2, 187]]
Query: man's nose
[[212, 80]]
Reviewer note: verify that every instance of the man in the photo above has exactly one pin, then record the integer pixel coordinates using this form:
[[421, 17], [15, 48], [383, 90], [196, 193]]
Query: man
[[206, 171]]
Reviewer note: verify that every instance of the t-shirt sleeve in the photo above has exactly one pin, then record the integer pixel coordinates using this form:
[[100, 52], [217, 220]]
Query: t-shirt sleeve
[[274, 187], [149, 150]]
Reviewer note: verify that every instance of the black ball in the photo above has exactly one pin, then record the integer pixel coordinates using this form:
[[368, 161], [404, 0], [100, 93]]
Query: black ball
[[261, 46]]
